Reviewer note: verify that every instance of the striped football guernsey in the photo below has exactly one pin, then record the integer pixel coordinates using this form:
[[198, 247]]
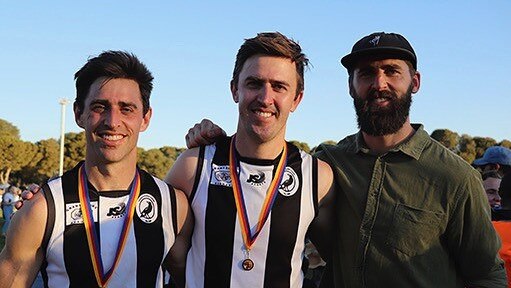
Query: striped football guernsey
[[217, 253], [151, 235]]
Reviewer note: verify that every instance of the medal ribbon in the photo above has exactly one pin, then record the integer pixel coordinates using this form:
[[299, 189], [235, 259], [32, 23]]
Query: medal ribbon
[[102, 278], [271, 195]]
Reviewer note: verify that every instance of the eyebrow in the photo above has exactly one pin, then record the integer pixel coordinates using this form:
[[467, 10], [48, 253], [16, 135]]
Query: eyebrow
[[272, 81], [107, 103]]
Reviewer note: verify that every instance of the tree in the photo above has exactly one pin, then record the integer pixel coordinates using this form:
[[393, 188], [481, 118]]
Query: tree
[[447, 138], [467, 148], [44, 164], [14, 155], [154, 162], [505, 143], [327, 142], [8, 129], [74, 149], [482, 143], [302, 145]]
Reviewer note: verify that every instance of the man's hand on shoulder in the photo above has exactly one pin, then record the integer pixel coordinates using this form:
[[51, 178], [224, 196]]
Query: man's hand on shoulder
[[203, 133], [32, 189]]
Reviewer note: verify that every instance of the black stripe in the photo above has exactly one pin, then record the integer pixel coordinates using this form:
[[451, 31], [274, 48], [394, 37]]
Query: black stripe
[[219, 226], [50, 222], [200, 163], [149, 237], [315, 184], [173, 207], [285, 216], [76, 249]]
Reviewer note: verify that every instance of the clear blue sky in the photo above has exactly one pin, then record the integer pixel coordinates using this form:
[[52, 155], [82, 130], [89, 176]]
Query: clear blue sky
[[463, 48]]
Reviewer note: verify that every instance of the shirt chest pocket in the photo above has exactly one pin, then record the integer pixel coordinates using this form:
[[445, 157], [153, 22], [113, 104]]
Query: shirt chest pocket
[[414, 230]]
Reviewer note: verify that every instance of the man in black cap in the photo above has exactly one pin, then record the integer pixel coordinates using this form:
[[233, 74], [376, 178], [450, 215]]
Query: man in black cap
[[410, 213]]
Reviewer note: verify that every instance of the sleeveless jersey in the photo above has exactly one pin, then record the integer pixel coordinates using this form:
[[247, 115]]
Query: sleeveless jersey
[[217, 251], [150, 237]]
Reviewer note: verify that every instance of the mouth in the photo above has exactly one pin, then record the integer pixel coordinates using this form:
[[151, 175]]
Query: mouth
[[263, 114], [111, 139]]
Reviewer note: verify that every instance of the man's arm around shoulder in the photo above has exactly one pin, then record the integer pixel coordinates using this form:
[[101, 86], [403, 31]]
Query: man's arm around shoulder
[[22, 255]]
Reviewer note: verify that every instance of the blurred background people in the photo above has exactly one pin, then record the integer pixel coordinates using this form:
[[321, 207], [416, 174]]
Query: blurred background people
[[501, 219], [8, 200], [491, 184], [495, 158]]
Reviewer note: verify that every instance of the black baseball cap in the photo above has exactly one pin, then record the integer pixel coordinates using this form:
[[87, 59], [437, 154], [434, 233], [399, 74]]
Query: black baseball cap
[[380, 45]]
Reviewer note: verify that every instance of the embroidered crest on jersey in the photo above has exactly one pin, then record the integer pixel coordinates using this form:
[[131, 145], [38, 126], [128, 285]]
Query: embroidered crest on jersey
[[117, 211], [221, 175], [256, 179], [147, 208], [74, 213], [289, 184]]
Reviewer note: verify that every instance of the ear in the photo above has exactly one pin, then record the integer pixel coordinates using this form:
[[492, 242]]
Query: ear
[[234, 92], [146, 119], [416, 82], [78, 115], [296, 101]]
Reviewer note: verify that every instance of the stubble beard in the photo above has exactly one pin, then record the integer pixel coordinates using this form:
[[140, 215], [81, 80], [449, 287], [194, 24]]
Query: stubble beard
[[380, 121]]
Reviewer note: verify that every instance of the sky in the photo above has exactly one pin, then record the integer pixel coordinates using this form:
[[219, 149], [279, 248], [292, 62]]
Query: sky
[[463, 50]]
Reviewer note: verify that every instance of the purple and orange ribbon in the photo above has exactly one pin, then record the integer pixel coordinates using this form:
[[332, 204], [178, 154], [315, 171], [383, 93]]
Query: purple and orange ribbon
[[271, 195], [102, 278]]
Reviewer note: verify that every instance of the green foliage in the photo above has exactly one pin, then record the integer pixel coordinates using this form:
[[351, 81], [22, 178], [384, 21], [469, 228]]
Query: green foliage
[[482, 143], [302, 145], [74, 149], [505, 143], [448, 138], [45, 163], [14, 155], [8, 129], [155, 162], [467, 148], [25, 162]]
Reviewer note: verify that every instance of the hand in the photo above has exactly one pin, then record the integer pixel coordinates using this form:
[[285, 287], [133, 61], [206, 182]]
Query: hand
[[203, 133], [27, 195]]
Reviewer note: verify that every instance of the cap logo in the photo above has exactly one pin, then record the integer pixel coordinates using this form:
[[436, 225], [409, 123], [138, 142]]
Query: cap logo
[[375, 40]]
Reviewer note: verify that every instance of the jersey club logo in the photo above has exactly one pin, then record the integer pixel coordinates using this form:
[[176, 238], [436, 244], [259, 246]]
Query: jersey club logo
[[289, 184], [147, 208], [221, 175]]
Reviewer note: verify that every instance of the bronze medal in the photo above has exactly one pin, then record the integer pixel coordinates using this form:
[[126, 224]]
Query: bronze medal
[[247, 264]]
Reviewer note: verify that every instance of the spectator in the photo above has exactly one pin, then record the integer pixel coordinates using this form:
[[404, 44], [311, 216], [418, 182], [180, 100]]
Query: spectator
[[502, 223], [495, 158], [8, 201], [491, 183]]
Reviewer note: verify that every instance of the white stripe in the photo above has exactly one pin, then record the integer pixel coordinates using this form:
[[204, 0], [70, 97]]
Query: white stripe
[[197, 255], [56, 270]]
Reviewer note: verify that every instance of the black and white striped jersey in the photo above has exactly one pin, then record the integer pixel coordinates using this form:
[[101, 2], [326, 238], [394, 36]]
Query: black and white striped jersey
[[217, 251], [150, 237]]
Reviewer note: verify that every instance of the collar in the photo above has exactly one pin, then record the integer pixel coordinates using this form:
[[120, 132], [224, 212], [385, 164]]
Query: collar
[[412, 146]]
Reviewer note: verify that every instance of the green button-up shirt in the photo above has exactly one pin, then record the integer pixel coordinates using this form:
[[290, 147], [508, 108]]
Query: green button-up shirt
[[416, 216]]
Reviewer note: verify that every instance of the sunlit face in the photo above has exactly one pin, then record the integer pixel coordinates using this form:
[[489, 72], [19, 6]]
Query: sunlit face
[[266, 95], [491, 186], [382, 93], [112, 118]]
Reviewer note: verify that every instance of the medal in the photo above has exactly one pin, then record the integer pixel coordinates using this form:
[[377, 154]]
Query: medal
[[271, 195], [102, 278], [247, 264]]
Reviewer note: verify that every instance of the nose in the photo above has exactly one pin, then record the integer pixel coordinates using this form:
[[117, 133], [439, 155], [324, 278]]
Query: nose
[[380, 81], [265, 95], [113, 118]]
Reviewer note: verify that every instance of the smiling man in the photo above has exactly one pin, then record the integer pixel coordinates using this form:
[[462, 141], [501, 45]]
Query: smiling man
[[105, 222], [254, 195]]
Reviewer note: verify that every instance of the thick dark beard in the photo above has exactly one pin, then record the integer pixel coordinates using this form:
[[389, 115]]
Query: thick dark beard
[[385, 120]]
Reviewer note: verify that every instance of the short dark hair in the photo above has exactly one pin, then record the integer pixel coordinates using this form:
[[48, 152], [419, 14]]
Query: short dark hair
[[271, 44], [113, 65]]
